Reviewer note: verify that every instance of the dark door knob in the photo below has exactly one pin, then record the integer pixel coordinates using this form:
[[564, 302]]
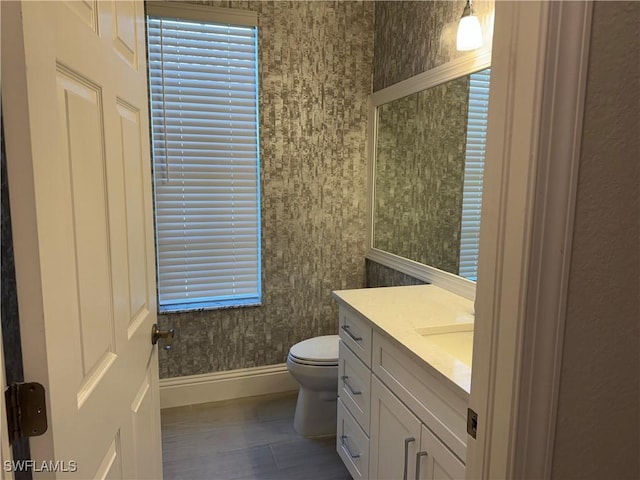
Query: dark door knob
[[156, 334]]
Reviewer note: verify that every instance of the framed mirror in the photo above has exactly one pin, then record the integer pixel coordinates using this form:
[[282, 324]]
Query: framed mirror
[[426, 157]]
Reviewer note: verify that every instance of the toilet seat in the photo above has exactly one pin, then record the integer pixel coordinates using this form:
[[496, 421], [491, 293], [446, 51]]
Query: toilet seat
[[317, 351], [313, 363]]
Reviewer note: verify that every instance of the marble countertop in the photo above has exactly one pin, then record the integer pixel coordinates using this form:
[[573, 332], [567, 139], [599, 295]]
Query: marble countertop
[[432, 323]]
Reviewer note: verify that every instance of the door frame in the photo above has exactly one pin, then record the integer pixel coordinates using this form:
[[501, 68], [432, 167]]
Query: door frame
[[539, 70]]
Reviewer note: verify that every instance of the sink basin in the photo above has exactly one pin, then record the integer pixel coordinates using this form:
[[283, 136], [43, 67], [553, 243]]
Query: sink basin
[[464, 324], [458, 345]]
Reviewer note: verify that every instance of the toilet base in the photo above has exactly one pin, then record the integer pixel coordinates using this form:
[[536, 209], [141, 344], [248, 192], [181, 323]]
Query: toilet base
[[315, 413]]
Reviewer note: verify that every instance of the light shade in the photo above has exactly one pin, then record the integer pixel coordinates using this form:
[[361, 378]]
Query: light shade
[[469, 33]]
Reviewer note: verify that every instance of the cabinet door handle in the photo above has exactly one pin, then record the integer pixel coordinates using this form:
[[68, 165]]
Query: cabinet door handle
[[407, 441], [353, 392], [345, 445], [419, 455], [348, 332]]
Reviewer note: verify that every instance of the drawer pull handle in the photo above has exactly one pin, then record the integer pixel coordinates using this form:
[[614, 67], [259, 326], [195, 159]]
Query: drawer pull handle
[[419, 455], [407, 441], [353, 392], [348, 332], [345, 445]]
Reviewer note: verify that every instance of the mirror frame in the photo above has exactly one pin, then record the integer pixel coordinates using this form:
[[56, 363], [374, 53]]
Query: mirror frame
[[464, 65]]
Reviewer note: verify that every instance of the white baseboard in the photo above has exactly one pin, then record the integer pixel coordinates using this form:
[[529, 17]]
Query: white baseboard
[[218, 386]]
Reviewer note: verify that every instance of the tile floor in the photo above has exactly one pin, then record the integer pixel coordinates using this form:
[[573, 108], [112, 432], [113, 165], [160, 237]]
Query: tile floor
[[246, 439]]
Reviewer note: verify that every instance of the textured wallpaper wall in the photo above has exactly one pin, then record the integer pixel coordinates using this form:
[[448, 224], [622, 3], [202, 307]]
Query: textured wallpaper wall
[[315, 77], [382, 276], [412, 37]]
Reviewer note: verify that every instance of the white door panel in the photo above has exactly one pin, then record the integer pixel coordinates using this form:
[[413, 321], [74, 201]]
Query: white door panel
[[80, 174]]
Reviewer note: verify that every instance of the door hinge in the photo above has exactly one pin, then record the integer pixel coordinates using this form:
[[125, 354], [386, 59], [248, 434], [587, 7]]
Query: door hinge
[[26, 410], [472, 423]]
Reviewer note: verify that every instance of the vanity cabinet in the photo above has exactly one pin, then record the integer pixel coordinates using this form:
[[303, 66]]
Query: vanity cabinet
[[396, 418], [433, 402], [401, 446]]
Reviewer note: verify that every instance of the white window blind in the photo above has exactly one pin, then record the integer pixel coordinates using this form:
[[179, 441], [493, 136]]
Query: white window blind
[[473, 172], [204, 119]]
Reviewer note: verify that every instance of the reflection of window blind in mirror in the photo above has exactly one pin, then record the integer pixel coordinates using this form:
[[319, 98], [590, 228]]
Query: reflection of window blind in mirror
[[473, 171]]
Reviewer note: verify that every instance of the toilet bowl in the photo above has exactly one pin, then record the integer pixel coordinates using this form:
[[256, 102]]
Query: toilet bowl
[[314, 364]]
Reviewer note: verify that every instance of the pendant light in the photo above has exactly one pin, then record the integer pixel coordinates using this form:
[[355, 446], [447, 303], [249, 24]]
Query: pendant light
[[469, 31]]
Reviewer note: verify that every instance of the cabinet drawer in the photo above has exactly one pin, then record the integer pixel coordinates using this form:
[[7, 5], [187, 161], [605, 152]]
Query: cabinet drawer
[[439, 407], [355, 331], [354, 386], [352, 444]]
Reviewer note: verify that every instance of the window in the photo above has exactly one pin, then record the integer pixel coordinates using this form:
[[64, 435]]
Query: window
[[204, 121], [473, 171]]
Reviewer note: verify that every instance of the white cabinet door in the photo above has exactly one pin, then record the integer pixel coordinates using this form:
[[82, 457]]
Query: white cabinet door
[[395, 436], [402, 447], [434, 461]]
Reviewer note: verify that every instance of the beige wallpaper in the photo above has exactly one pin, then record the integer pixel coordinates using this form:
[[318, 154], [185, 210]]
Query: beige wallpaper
[[315, 77], [598, 424]]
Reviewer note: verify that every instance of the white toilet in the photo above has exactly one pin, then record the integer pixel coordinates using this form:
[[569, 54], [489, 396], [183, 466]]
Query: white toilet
[[314, 364]]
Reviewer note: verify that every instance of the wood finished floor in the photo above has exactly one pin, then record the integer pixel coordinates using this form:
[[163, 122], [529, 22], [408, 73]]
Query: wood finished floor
[[246, 439]]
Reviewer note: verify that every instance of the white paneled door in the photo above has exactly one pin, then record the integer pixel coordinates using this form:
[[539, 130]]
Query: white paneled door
[[77, 138]]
